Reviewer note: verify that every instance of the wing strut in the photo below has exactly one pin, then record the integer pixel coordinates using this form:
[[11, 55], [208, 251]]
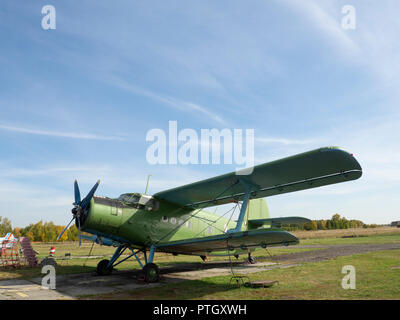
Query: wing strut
[[249, 187]]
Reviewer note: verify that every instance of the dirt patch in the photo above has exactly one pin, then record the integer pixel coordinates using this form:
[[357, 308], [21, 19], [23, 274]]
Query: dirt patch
[[345, 233], [332, 251]]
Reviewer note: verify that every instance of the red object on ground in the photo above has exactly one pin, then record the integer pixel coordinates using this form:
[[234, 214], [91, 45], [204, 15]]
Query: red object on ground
[[28, 251], [9, 255]]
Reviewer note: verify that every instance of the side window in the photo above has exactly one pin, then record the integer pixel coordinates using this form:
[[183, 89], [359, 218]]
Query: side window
[[210, 230], [152, 205], [173, 220], [164, 219], [189, 225]]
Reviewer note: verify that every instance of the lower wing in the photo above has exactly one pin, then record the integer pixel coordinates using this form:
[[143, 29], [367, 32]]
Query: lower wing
[[237, 240]]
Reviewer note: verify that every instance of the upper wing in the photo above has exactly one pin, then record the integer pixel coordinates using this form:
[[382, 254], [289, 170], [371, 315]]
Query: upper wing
[[307, 170], [236, 240]]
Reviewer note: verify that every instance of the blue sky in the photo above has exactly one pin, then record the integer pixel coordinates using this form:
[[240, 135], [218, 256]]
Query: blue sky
[[77, 101]]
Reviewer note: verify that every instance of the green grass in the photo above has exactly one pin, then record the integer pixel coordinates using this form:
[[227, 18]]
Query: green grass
[[81, 264], [375, 279]]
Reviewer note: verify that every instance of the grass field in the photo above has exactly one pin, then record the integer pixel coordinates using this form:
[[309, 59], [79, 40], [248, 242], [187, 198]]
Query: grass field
[[377, 273], [377, 277]]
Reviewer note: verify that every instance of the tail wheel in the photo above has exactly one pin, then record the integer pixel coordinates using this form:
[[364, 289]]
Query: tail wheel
[[251, 259], [102, 269], [151, 273]]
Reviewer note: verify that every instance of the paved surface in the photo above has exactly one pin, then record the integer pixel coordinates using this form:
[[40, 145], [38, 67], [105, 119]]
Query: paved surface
[[87, 284], [16, 289], [81, 285]]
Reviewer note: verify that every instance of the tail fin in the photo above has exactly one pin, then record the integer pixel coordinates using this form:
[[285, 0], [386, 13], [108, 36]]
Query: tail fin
[[257, 209]]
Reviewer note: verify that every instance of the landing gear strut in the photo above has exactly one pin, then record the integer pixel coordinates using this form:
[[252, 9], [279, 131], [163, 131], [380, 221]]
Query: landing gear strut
[[150, 269]]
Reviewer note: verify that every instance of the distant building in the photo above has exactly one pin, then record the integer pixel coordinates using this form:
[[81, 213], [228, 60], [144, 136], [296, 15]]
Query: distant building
[[395, 224]]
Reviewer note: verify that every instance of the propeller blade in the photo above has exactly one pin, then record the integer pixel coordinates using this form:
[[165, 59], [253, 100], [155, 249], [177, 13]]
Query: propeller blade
[[77, 193], [85, 202], [60, 235]]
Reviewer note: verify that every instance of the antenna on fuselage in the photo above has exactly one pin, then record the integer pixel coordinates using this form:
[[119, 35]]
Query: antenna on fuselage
[[147, 184]]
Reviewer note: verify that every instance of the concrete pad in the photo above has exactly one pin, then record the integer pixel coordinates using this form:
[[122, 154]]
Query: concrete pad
[[18, 289]]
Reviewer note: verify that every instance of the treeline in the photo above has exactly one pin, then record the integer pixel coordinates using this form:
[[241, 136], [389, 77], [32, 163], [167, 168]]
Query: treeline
[[45, 232], [336, 222], [48, 231]]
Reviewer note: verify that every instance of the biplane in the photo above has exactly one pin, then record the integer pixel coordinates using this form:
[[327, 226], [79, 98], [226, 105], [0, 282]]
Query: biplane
[[174, 221]]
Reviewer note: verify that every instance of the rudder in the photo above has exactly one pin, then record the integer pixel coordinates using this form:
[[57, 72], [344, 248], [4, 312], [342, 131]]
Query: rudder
[[257, 209]]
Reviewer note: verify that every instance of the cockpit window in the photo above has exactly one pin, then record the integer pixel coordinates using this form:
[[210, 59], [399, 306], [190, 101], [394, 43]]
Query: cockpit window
[[129, 198], [139, 201]]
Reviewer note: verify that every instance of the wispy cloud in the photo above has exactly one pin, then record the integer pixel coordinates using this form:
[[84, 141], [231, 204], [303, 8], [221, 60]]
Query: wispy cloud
[[59, 134], [330, 25], [175, 103], [283, 141], [373, 44]]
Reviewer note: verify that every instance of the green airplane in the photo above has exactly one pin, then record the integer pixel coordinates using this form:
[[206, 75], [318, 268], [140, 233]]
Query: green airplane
[[173, 221]]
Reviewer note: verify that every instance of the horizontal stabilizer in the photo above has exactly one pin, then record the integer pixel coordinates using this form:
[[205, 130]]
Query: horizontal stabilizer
[[276, 222]]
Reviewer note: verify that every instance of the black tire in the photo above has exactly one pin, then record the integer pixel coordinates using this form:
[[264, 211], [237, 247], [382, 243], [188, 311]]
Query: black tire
[[102, 269], [252, 260], [48, 261], [151, 273]]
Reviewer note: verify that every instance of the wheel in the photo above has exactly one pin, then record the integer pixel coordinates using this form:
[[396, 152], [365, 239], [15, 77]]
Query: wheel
[[236, 256], [102, 269], [151, 273], [252, 260]]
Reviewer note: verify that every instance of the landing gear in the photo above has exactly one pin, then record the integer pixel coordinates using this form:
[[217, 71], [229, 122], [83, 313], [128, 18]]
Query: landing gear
[[150, 270], [251, 259], [236, 256], [103, 269], [151, 273], [204, 258]]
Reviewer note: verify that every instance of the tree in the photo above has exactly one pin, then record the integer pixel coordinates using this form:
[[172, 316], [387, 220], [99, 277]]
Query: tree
[[314, 225], [5, 226]]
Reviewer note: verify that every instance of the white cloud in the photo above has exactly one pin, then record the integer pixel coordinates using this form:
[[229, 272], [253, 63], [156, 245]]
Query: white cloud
[[322, 17], [372, 44], [283, 141], [59, 134], [178, 104]]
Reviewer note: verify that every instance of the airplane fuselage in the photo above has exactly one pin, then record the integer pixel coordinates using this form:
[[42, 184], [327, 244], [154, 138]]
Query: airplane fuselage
[[116, 220]]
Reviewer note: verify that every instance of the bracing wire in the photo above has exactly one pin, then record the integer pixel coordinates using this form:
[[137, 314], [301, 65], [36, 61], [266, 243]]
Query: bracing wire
[[90, 252], [197, 211]]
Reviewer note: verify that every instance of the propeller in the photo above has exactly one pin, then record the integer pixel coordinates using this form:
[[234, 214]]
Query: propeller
[[79, 208]]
